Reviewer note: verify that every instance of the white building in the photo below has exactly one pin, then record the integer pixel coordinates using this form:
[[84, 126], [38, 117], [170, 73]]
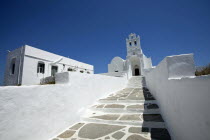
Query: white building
[[28, 65], [136, 62]]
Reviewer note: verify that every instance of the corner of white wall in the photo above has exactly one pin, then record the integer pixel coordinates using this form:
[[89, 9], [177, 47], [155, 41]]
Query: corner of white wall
[[180, 66], [183, 98], [62, 78]]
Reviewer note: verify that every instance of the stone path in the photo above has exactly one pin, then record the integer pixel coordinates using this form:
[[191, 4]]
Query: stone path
[[129, 114]]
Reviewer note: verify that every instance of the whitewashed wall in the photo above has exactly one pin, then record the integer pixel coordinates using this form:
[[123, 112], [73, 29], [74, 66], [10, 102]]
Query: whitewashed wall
[[129, 71], [117, 64], [37, 53], [42, 112], [183, 98], [16, 78], [30, 75], [116, 74], [147, 62], [27, 59]]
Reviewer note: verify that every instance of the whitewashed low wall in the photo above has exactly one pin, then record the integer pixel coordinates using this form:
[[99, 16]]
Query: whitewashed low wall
[[42, 112], [183, 98], [116, 74]]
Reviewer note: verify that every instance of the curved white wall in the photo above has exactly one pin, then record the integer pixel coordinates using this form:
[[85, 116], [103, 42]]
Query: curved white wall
[[117, 64]]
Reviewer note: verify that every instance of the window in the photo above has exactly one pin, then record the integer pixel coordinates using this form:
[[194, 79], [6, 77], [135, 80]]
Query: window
[[81, 71], [135, 42], [88, 72], [116, 71], [70, 69], [12, 66], [134, 53], [130, 43], [41, 67]]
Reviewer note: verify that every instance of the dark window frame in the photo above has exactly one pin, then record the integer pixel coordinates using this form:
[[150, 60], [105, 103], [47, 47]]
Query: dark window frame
[[12, 66], [41, 67], [69, 69]]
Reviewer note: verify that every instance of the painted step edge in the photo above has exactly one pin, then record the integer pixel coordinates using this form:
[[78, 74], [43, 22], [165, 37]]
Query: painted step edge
[[133, 123], [127, 101], [120, 110]]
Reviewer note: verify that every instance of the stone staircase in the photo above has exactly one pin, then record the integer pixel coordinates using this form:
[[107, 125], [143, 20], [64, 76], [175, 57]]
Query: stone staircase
[[136, 82], [129, 114]]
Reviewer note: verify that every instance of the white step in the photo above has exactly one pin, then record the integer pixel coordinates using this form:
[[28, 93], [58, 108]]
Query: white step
[[132, 123], [136, 82]]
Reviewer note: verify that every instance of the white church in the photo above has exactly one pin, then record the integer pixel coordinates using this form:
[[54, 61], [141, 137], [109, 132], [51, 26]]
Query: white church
[[136, 62]]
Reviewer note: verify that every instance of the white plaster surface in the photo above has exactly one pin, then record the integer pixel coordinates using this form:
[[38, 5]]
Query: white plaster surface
[[42, 112], [133, 49], [27, 61], [116, 74], [14, 79], [37, 53], [62, 78], [184, 99], [147, 62], [181, 66], [117, 64]]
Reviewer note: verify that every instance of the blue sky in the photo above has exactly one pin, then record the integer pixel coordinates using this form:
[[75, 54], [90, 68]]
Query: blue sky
[[94, 31]]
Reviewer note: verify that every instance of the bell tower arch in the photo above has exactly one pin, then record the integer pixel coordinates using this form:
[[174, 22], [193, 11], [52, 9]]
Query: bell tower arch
[[134, 54], [133, 45]]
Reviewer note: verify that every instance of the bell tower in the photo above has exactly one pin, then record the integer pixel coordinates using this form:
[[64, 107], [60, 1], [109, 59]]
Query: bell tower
[[133, 45]]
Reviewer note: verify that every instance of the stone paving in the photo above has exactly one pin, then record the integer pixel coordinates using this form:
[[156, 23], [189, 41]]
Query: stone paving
[[129, 114]]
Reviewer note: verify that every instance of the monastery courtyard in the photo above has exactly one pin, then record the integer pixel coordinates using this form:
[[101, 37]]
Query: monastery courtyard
[[129, 114]]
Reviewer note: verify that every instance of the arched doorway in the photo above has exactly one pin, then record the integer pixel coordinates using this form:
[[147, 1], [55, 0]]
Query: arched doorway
[[135, 65], [137, 72]]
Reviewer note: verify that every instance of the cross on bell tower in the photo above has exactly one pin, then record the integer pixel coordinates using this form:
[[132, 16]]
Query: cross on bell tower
[[133, 45]]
